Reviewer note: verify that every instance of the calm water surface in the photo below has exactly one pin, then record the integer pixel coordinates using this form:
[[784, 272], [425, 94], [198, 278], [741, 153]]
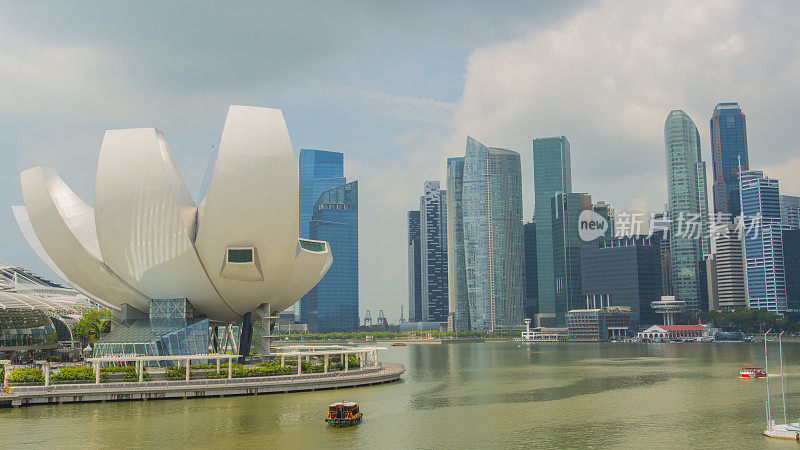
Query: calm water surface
[[464, 395]]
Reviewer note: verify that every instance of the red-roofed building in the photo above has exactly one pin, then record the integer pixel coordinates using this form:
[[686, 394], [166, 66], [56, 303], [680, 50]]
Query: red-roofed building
[[671, 332]]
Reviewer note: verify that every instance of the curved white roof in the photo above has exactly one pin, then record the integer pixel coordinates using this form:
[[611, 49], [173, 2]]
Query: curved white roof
[[146, 238]]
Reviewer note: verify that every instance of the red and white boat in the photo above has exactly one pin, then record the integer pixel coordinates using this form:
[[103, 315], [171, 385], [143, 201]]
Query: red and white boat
[[752, 372]]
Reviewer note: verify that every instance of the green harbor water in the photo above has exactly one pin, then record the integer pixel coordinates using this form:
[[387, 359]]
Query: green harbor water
[[476, 395]]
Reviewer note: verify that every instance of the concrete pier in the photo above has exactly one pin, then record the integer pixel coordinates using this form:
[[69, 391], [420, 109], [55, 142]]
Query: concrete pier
[[90, 392]]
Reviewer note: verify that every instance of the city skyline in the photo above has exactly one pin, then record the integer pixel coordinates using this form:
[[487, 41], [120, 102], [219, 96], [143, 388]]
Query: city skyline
[[397, 91]]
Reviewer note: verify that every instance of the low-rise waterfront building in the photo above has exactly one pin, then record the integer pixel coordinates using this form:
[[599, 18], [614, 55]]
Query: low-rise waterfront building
[[672, 332], [613, 322]]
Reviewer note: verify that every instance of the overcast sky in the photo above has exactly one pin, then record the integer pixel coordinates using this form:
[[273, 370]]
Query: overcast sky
[[397, 87]]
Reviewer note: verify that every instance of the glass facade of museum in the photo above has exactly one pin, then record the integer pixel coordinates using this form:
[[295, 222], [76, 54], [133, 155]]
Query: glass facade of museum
[[170, 330]]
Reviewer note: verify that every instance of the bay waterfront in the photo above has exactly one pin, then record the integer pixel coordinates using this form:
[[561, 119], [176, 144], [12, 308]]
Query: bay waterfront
[[464, 395]]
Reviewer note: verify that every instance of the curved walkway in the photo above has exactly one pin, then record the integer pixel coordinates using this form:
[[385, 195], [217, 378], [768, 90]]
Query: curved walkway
[[70, 393]]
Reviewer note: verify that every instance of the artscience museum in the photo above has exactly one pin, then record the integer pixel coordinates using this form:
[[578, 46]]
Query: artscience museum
[[172, 267]]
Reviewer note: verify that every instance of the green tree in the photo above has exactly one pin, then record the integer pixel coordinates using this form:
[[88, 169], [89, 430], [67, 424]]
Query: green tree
[[93, 324]]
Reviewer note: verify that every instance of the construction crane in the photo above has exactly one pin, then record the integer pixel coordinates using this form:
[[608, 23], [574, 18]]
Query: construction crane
[[368, 319], [382, 319]]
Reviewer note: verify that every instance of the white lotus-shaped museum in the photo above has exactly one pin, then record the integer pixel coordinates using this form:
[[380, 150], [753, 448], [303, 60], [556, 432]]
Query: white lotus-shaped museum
[[146, 238]]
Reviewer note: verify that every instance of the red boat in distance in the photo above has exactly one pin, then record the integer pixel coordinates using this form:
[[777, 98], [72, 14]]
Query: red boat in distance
[[752, 372]]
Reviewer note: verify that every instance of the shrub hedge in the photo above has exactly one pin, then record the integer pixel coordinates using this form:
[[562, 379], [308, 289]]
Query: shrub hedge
[[27, 376], [81, 373]]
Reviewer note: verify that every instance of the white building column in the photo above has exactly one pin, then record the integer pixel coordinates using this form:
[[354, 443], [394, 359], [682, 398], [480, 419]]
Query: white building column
[[46, 370], [230, 368], [6, 376], [96, 372], [299, 364], [282, 360], [325, 365], [346, 361], [188, 361], [375, 358]]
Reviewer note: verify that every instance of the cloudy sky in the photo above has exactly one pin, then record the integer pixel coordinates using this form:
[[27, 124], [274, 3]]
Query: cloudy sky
[[397, 87]]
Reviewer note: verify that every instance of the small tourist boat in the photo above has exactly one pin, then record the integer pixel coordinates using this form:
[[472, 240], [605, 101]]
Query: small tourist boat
[[399, 344], [343, 414], [752, 372]]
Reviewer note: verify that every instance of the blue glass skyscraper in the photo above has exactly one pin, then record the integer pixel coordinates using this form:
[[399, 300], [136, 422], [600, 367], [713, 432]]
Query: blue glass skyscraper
[[728, 150], [762, 241], [320, 170], [332, 305]]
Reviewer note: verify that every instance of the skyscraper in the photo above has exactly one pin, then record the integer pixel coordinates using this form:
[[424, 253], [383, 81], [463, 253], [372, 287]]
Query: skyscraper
[[790, 212], [728, 153], [688, 207], [414, 269], [320, 170], [493, 247], [791, 265], [458, 301], [728, 268], [551, 175], [531, 273], [567, 208], [622, 271], [660, 224], [433, 253], [762, 241], [333, 303]]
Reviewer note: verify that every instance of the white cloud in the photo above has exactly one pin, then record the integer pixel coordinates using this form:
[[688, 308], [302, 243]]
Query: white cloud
[[607, 77]]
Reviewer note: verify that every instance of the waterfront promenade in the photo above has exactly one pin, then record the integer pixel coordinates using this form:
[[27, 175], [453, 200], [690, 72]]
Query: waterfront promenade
[[152, 390]]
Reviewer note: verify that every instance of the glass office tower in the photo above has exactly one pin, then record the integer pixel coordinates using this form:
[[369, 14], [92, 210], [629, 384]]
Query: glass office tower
[[728, 151], [762, 241], [332, 304], [790, 212], [493, 249], [688, 207], [551, 175], [320, 170], [791, 267], [531, 273], [433, 251], [414, 269], [458, 304], [623, 271]]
